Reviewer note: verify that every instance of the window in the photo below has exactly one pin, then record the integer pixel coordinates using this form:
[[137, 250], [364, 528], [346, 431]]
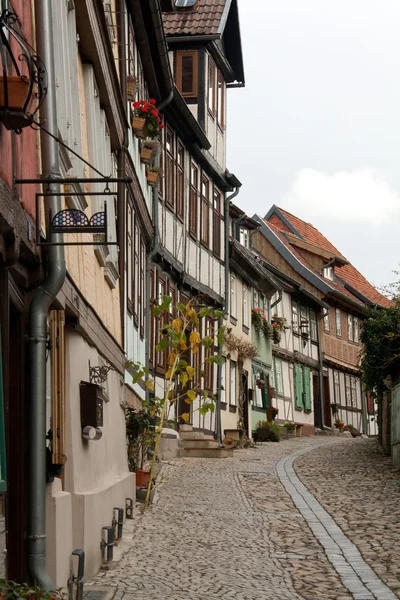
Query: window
[[232, 388], [326, 321], [350, 336], [245, 300], [221, 101], [348, 389], [336, 386], [205, 215], [160, 320], [223, 383], [244, 237], [338, 323], [217, 224], [302, 381], [194, 181], [356, 333], [295, 318], [233, 297], [303, 320], [298, 385], [186, 73], [136, 274], [328, 273], [142, 287], [278, 375], [170, 168], [129, 257], [180, 184], [313, 326], [353, 395], [212, 76]]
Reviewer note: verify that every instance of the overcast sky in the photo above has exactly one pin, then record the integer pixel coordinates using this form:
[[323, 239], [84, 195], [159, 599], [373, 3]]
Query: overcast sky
[[316, 130]]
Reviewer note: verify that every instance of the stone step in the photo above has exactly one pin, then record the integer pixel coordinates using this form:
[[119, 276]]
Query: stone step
[[194, 435], [185, 428], [198, 443], [206, 453]]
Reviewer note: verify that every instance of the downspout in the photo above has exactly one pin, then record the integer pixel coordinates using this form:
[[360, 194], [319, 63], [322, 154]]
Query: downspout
[[328, 264], [228, 200], [321, 373], [121, 208], [37, 328], [153, 251]]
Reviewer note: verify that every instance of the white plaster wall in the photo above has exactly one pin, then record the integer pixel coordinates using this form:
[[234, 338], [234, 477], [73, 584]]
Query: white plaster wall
[[96, 473], [169, 232], [191, 261], [59, 533]]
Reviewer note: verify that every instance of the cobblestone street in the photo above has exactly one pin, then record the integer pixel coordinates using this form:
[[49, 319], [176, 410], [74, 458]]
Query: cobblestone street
[[247, 528]]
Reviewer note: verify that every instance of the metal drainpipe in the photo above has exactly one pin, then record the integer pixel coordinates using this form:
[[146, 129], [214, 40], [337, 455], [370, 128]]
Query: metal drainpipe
[[37, 329], [328, 264], [277, 300], [321, 375], [153, 252]]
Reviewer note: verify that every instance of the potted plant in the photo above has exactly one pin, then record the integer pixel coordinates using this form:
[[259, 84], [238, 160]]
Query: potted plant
[[290, 428], [274, 413], [339, 424], [131, 82], [147, 151], [276, 334], [146, 120], [17, 88], [11, 590], [153, 175], [267, 432], [140, 432], [278, 325], [260, 322], [260, 384]]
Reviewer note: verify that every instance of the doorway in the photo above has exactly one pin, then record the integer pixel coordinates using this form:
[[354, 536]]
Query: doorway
[[327, 403]]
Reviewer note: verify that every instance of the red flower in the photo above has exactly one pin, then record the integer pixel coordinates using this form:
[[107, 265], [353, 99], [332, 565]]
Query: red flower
[[154, 113], [162, 126], [136, 104], [152, 101]]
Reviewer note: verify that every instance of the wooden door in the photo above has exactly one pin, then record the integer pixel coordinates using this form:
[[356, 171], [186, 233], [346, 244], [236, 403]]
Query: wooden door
[[327, 403]]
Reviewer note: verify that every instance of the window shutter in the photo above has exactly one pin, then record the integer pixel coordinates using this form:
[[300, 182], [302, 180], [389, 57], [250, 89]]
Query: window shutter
[[264, 393], [298, 381], [307, 388]]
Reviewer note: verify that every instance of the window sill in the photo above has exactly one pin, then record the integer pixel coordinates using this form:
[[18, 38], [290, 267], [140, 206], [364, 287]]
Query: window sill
[[211, 114], [180, 218], [245, 329], [223, 405], [233, 320], [193, 236], [205, 244], [232, 408]]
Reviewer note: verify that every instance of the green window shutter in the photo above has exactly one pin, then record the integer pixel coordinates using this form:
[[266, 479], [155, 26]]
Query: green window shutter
[[3, 480], [298, 382], [307, 388]]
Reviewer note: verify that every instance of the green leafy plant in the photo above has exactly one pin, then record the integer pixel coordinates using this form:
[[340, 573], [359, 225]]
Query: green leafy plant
[[289, 426], [180, 341], [275, 435], [149, 112], [140, 435], [11, 590]]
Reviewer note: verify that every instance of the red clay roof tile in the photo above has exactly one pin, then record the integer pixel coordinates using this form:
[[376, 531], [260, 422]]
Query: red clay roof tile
[[348, 273], [204, 19]]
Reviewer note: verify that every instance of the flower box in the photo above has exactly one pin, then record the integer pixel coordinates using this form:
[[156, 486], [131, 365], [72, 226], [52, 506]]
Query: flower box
[[146, 155], [152, 178], [142, 478], [139, 127], [18, 90]]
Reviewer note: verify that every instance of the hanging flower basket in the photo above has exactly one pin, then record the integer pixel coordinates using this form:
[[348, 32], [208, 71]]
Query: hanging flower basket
[[139, 127], [146, 120], [153, 177], [146, 154], [260, 384], [276, 334]]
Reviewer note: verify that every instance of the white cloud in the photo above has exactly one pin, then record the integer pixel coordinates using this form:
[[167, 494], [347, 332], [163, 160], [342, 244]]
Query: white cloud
[[361, 196]]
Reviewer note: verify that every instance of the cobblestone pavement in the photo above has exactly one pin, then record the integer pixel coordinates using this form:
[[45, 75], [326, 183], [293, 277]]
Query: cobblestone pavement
[[229, 529], [360, 489]]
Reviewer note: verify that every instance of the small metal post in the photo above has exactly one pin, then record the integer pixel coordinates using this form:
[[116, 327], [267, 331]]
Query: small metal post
[[129, 508], [107, 543], [79, 578], [118, 522]]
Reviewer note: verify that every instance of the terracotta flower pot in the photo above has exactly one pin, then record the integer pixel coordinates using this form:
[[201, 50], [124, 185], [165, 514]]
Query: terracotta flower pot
[[17, 90], [139, 127], [146, 155], [142, 478], [152, 178]]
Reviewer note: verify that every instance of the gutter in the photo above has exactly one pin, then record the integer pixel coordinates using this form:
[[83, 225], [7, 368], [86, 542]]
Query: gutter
[[38, 313]]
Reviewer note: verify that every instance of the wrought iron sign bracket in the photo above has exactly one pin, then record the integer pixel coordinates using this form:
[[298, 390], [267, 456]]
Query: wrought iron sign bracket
[[99, 374], [72, 220]]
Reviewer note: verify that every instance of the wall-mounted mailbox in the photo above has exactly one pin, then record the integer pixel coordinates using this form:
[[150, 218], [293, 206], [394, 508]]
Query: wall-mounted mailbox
[[91, 408]]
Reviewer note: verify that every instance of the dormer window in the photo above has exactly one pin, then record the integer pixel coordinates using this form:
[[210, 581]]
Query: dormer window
[[328, 273], [187, 73], [185, 3], [244, 237]]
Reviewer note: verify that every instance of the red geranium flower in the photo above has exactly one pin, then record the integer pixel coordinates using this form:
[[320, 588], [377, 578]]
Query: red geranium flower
[[152, 101]]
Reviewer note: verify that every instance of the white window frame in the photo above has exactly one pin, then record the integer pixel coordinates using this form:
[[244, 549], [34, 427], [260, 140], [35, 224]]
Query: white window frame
[[356, 330], [313, 326], [336, 387], [350, 334], [278, 367], [232, 382], [327, 328], [295, 317], [233, 296], [328, 273], [245, 305], [244, 237]]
